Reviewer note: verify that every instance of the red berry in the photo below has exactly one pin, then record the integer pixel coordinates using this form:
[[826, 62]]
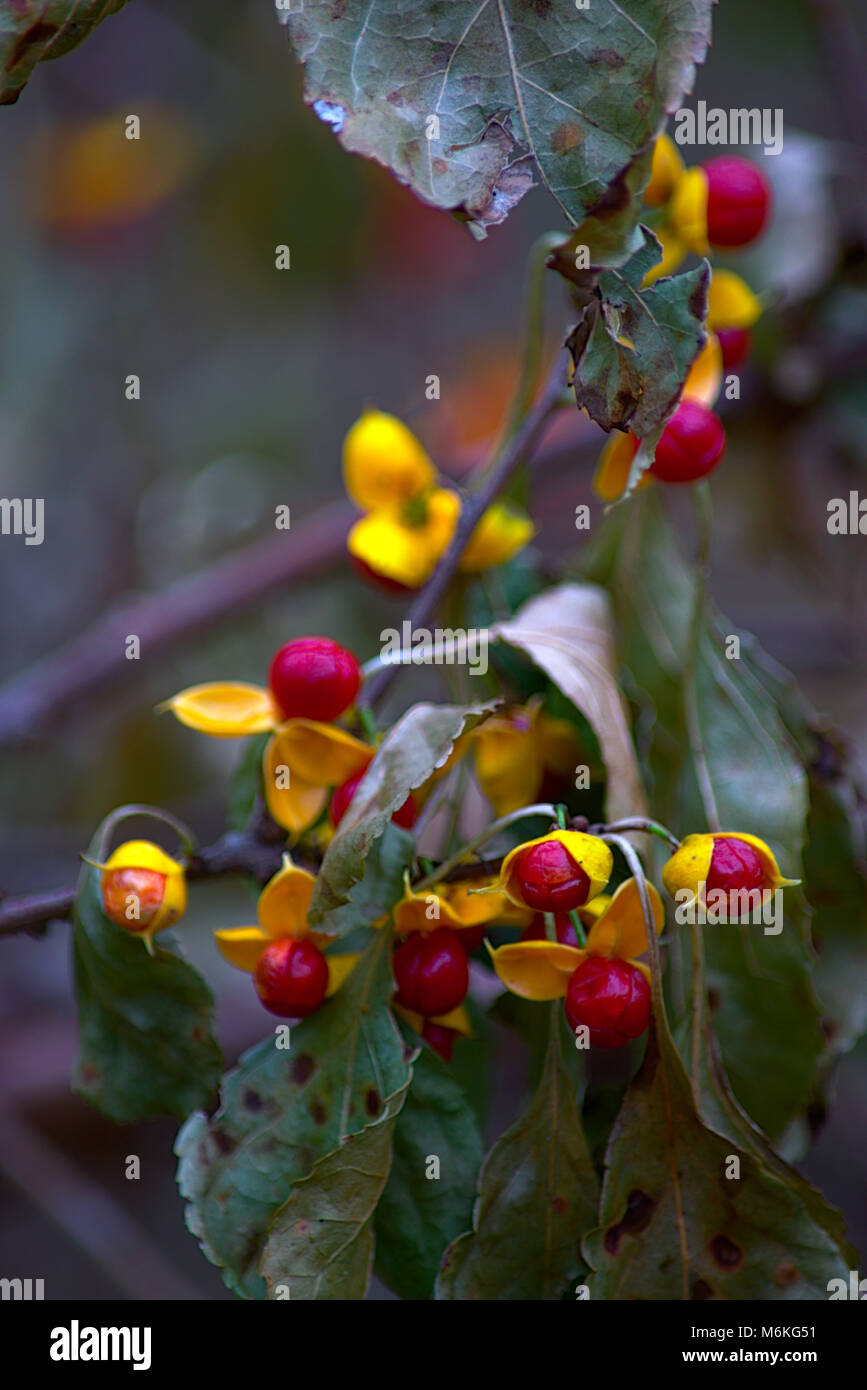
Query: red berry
[[471, 938], [692, 444], [341, 797], [735, 344], [314, 678], [441, 1039], [565, 930], [549, 879], [431, 972], [610, 997], [734, 865], [291, 978], [738, 201]]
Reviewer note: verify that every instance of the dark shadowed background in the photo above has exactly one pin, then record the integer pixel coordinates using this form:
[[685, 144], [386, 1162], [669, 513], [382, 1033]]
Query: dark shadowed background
[[249, 379]]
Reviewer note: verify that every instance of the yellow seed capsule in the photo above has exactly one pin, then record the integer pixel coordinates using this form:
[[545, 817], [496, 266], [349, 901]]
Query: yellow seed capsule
[[559, 871], [730, 302], [687, 210], [665, 171], [727, 861], [501, 533], [143, 889], [384, 465]]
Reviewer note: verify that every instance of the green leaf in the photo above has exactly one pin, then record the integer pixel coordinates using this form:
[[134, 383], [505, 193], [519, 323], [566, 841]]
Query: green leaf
[[673, 1225], [34, 30], [422, 1210], [282, 1110], [537, 1196], [246, 782], [517, 89], [320, 1244], [146, 1042], [727, 763], [411, 751], [382, 885], [568, 633], [636, 384]]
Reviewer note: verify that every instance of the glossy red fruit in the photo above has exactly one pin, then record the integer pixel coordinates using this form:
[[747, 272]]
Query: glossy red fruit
[[441, 1039], [549, 879], [471, 938], [314, 678], [291, 978], [692, 444], [733, 865], [563, 924], [341, 797], [431, 972], [610, 997], [738, 200], [735, 344]]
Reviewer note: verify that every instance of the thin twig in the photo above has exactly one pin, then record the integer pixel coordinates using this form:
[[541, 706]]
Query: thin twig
[[515, 453]]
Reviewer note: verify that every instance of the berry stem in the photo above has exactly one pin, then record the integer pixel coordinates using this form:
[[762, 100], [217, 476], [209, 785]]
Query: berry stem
[[550, 927], [650, 827], [368, 724], [542, 808], [518, 449], [578, 927], [561, 816], [637, 871]]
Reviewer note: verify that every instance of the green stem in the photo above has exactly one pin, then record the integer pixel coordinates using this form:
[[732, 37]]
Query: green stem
[[368, 723], [702, 502], [650, 827], [561, 816], [542, 808], [534, 332], [637, 871], [122, 813], [578, 927], [550, 927]]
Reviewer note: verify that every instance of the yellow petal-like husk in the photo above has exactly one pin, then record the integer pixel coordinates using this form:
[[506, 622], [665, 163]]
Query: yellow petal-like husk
[[283, 902], [242, 946], [588, 851], [340, 967], [323, 755], [665, 170], [705, 375], [384, 465], [688, 210], [224, 709], [673, 252], [412, 913], [615, 461], [536, 969], [508, 758], [688, 866], [619, 933], [295, 806], [474, 909], [501, 533], [730, 302]]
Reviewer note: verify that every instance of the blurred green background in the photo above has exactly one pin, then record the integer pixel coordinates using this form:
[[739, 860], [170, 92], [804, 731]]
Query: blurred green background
[[249, 379]]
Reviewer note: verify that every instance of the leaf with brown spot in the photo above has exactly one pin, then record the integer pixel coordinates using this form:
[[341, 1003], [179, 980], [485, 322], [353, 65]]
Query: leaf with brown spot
[[146, 1039], [237, 1168], [519, 89], [525, 1243], [699, 1233], [320, 1243]]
